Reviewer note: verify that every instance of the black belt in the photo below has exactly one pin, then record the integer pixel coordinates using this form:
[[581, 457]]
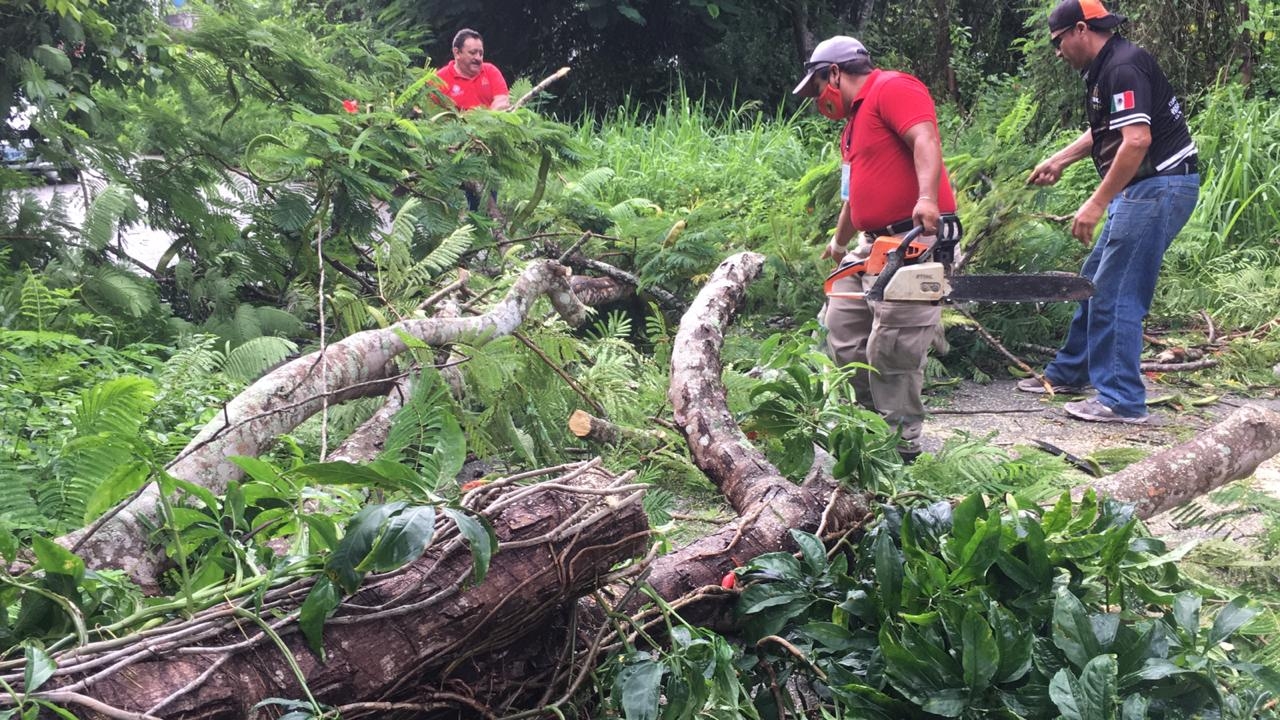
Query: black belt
[[1186, 167], [893, 229], [903, 226]]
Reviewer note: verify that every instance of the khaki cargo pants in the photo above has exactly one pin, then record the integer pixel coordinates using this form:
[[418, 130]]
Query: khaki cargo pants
[[894, 338]]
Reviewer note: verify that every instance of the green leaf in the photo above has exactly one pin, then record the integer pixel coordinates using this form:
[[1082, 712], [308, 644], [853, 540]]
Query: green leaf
[[1230, 619], [640, 685], [260, 470], [836, 638], [322, 600], [1072, 631], [52, 59], [1098, 684], [341, 472], [1092, 696], [122, 481], [979, 553], [1056, 519], [404, 538], [362, 532], [1186, 613], [888, 573], [480, 537], [53, 558], [980, 656], [812, 551], [964, 517], [1013, 644], [39, 667]]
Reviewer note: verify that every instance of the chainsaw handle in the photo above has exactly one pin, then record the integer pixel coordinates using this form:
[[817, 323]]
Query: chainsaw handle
[[892, 263]]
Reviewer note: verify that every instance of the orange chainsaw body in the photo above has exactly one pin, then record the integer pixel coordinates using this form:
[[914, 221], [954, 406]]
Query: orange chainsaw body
[[874, 263]]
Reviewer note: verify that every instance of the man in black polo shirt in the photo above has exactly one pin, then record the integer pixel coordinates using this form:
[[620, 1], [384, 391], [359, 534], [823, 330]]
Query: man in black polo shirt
[[1140, 144]]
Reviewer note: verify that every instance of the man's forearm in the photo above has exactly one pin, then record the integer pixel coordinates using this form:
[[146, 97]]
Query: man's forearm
[[1125, 165], [844, 227], [1077, 150]]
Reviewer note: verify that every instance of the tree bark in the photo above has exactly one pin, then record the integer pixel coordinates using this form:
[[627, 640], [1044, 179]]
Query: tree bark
[[769, 505], [597, 291], [1231, 450], [589, 427], [558, 541], [358, 366]]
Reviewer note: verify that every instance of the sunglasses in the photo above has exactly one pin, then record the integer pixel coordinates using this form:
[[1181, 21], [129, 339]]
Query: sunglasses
[[1056, 40]]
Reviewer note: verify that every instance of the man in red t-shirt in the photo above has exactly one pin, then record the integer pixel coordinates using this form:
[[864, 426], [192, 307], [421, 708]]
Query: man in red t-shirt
[[892, 179], [470, 81]]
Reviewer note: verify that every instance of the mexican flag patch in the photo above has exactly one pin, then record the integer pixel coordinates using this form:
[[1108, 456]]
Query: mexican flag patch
[[1122, 101]]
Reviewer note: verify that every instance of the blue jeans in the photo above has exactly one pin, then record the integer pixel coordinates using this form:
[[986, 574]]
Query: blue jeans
[[1104, 344]]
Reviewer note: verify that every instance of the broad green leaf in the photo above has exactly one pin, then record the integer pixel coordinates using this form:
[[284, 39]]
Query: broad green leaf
[[965, 516], [322, 527], [888, 573], [1013, 641], [1134, 708], [203, 494], [1098, 683], [979, 553], [829, 635], [480, 537], [122, 481], [640, 685], [404, 538], [776, 566], [260, 470], [980, 656], [812, 551], [1186, 613], [39, 667], [362, 531], [1056, 519], [1230, 619], [1072, 631], [323, 598], [1065, 691], [53, 558], [341, 472]]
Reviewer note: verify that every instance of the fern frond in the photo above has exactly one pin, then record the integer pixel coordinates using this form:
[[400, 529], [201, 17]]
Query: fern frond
[[590, 184], [117, 406], [446, 255], [425, 434], [102, 215], [249, 360], [121, 291]]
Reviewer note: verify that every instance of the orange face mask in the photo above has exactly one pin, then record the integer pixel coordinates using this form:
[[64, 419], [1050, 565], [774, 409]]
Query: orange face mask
[[831, 104]]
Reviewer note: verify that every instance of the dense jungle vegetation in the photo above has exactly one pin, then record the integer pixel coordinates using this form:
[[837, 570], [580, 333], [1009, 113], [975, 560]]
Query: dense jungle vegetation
[[308, 181]]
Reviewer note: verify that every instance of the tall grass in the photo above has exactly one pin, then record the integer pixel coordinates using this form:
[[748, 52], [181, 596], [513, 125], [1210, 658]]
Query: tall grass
[[743, 161], [1227, 260]]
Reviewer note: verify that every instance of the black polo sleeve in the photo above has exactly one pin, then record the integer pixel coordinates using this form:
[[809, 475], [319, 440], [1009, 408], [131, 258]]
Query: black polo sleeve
[[1127, 96]]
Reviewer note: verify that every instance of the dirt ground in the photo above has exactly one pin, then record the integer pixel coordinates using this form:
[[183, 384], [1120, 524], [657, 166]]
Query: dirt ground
[[1019, 418]]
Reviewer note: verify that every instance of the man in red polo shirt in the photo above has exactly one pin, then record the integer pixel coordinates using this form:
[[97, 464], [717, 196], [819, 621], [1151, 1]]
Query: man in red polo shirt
[[892, 179], [470, 81]]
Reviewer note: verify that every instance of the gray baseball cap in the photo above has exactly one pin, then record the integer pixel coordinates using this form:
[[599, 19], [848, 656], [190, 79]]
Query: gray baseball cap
[[835, 50]]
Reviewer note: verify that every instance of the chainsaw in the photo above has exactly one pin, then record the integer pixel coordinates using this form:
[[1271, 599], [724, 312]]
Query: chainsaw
[[904, 275]]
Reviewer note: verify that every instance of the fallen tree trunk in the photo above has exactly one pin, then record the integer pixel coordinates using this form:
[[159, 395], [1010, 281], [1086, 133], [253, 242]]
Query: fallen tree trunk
[[769, 505], [558, 541], [1231, 450], [359, 366]]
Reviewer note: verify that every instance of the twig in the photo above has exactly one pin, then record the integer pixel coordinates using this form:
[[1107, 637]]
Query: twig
[[573, 384], [575, 247], [540, 87], [1000, 411], [993, 342], [1179, 367], [95, 705], [463, 278], [443, 700], [799, 655], [1212, 332]]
